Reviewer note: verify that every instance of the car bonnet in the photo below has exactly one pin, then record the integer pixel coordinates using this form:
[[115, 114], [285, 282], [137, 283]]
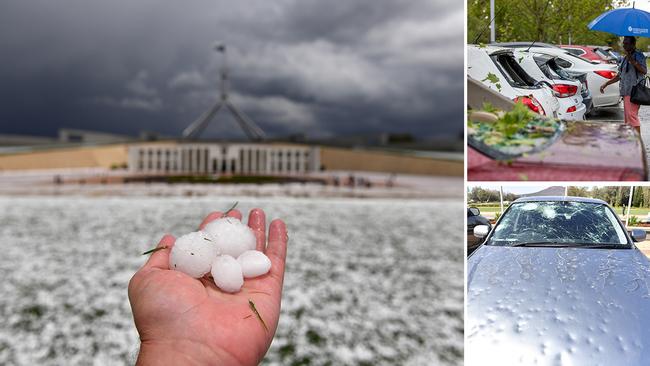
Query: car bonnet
[[567, 306]]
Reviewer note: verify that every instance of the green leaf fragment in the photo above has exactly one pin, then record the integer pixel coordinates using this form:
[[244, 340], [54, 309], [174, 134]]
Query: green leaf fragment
[[491, 78]]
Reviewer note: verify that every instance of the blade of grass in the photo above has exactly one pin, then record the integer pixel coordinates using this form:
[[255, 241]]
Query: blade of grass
[[252, 306], [154, 250], [230, 209]]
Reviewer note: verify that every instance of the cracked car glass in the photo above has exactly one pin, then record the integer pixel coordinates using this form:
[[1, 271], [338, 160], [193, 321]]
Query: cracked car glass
[[558, 222]]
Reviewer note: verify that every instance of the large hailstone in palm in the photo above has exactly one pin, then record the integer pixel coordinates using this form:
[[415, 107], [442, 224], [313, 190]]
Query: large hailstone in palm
[[254, 263], [225, 249], [227, 274], [193, 254], [230, 236]]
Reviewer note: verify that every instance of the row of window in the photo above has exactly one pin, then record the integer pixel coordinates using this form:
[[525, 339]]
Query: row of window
[[200, 160]]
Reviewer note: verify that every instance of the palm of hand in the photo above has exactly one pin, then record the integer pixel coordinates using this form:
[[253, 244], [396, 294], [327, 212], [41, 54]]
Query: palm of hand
[[195, 317]]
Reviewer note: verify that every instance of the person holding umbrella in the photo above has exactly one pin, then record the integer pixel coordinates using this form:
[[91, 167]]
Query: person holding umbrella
[[627, 23], [631, 71]]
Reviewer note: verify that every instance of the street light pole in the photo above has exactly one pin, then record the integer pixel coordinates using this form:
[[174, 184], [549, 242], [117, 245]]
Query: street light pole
[[493, 24]]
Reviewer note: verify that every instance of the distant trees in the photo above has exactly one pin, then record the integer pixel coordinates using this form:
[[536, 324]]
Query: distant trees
[[615, 196], [551, 21], [482, 195]]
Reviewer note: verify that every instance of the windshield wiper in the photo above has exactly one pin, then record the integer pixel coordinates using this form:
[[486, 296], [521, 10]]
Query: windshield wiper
[[603, 245], [552, 244]]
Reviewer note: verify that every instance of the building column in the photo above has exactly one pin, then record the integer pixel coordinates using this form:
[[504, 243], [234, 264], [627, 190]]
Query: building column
[[246, 161], [145, 159], [267, 161], [301, 159], [155, 160], [196, 160], [254, 167], [199, 160], [183, 159]]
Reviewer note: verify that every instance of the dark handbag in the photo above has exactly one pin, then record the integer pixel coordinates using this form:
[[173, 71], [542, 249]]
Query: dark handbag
[[641, 93]]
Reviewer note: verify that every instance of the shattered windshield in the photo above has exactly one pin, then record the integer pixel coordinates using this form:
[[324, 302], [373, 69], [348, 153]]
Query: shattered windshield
[[558, 223]]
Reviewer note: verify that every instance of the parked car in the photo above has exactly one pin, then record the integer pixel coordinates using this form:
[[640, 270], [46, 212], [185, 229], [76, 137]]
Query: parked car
[[558, 281], [474, 218], [600, 54], [497, 69], [587, 99], [597, 73], [566, 89], [579, 151]]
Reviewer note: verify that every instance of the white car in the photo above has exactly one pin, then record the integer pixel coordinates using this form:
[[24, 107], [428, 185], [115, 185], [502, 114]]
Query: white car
[[597, 74], [497, 69], [566, 90]]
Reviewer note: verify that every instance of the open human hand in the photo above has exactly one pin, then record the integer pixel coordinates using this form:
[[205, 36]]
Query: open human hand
[[186, 321]]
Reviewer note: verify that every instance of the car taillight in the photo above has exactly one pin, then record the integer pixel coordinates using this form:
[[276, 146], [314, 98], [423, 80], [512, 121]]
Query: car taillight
[[607, 74], [571, 109], [531, 103], [564, 90]]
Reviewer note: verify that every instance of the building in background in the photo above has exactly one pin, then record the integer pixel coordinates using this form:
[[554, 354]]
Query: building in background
[[223, 158]]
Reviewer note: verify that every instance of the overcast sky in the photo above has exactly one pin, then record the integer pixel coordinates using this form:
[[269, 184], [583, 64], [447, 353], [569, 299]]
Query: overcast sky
[[323, 68]]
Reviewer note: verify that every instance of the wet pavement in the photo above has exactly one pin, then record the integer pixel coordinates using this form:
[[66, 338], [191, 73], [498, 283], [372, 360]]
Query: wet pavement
[[616, 114], [644, 117], [608, 114]]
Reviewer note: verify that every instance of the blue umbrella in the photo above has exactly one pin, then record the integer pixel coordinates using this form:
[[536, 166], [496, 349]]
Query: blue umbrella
[[623, 22]]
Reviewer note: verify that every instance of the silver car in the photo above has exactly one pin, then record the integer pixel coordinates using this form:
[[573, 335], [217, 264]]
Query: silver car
[[558, 281]]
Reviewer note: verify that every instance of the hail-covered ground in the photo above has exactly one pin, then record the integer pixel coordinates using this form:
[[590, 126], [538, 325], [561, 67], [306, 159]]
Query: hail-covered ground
[[368, 282]]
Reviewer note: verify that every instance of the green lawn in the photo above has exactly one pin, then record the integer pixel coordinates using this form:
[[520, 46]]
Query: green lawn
[[634, 211]]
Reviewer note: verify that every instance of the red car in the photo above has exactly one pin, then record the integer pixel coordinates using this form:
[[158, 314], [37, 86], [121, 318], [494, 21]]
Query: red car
[[581, 151], [599, 54]]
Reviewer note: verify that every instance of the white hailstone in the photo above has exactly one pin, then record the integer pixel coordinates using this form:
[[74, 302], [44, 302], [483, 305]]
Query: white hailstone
[[193, 254], [231, 236], [254, 263], [227, 275]]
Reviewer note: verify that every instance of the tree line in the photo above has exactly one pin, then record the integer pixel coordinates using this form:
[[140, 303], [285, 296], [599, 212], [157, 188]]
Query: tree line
[[482, 195], [614, 196], [550, 21]]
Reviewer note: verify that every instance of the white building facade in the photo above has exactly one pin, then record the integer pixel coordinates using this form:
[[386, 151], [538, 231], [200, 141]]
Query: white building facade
[[223, 158]]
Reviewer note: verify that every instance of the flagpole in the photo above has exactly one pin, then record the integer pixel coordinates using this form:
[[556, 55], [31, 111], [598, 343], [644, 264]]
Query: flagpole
[[493, 25]]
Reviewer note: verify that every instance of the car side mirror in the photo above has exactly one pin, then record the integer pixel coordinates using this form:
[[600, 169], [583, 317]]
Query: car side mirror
[[481, 231], [474, 211], [638, 235]]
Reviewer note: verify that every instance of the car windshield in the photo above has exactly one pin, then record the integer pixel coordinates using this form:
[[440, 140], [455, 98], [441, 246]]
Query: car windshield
[[603, 54], [552, 64], [570, 55], [559, 223]]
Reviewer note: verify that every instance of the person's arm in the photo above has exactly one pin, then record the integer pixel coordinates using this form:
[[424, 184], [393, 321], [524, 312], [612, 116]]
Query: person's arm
[[609, 82], [187, 321], [639, 65]]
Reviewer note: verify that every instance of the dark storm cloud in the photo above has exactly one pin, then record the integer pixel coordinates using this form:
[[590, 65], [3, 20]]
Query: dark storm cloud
[[315, 67]]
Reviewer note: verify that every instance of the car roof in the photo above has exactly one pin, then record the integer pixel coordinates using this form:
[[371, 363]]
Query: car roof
[[591, 47], [491, 49], [560, 198], [544, 56], [524, 44]]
